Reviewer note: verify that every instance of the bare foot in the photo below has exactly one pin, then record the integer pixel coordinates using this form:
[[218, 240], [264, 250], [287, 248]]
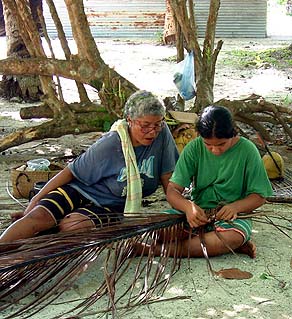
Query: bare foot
[[249, 248]]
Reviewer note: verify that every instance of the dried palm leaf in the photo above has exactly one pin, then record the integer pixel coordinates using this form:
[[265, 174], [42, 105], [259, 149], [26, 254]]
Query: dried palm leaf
[[41, 269], [280, 222], [38, 271], [233, 273]]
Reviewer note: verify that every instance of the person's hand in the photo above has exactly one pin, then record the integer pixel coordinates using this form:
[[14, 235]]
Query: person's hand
[[30, 206], [15, 216], [196, 216], [227, 212]]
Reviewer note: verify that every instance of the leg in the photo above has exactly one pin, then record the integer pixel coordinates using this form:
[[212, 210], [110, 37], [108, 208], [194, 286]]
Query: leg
[[76, 221], [215, 246], [28, 226], [248, 248], [51, 208], [89, 217], [170, 235]]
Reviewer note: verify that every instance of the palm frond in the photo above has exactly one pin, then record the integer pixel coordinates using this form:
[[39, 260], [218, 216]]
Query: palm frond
[[35, 273], [40, 270], [279, 222]]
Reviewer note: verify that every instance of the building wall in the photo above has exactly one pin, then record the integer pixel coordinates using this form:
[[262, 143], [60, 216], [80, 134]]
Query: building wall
[[145, 18], [239, 19]]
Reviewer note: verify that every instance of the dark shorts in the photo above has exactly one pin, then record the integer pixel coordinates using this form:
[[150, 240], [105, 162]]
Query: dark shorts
[[66, 200]]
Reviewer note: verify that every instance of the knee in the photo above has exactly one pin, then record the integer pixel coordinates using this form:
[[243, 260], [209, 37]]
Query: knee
[[36, 221], [75, 221], [40, 216]]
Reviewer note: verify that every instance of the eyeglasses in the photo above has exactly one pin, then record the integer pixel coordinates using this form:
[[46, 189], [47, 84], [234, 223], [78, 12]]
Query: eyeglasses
[[146, 128]]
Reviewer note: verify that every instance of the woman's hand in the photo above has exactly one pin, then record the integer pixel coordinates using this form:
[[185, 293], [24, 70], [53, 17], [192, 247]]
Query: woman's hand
[[63, 177], [196, 215], [227, 212], [31, 205], [17, 215], [249, 203]]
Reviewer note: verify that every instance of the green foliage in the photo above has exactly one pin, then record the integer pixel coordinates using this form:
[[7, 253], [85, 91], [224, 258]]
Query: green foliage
[[288, 100], [159, 37], [171, 58], [107, 125], [278, 58], [265, 275], [96, 84], [208, 53], [104, 122], [116, 91]]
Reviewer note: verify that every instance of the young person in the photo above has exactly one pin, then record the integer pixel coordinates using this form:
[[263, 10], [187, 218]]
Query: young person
[[110, 178], [228, 177]]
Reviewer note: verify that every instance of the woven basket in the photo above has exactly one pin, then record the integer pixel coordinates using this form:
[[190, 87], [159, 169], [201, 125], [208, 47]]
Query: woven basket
[[23, 180]]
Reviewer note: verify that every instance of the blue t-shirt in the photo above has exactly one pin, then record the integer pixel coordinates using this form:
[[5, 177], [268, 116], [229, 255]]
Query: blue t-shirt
[[100, 172]]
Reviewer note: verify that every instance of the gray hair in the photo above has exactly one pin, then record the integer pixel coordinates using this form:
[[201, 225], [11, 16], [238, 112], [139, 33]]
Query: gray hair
[[143, 103]]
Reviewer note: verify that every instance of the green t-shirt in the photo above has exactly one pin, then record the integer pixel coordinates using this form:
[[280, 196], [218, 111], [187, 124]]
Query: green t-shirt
[[231, 176]]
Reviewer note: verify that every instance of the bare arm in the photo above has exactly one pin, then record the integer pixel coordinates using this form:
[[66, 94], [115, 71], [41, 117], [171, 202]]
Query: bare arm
[[247, 204], [62, 178], [165, 180], [195, 214]]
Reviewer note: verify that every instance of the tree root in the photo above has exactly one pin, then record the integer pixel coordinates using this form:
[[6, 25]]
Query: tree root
[[257, 113], [52, 129]]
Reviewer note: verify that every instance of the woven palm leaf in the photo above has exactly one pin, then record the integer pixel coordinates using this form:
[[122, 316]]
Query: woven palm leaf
[[282, 188], [40, 270]]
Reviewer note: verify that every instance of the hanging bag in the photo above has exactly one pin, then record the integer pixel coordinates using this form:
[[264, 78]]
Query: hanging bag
[[184, 77]]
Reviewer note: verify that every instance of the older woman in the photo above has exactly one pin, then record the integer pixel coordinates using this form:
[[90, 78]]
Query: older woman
[[110, 178]]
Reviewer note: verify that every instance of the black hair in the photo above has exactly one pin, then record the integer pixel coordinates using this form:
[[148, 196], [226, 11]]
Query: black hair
[[216, 121]]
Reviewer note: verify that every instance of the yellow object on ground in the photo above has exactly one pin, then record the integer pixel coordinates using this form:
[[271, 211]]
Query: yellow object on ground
[[185, 131], [271, 168], [183, 137]]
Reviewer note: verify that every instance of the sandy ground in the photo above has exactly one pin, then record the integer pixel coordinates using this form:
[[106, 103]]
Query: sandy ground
[[198, 295]]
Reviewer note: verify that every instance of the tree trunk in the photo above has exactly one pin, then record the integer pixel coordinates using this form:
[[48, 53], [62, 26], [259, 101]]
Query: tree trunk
[[86, 67], [83, 123], [84, 99], [27, 88], [169, 31], [205, 60]]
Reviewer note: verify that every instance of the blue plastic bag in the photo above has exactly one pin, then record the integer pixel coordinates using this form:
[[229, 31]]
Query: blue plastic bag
[[184, 77]]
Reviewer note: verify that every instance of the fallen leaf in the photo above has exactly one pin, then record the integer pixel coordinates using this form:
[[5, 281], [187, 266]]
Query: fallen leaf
[[264, 275], [233, 273]]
